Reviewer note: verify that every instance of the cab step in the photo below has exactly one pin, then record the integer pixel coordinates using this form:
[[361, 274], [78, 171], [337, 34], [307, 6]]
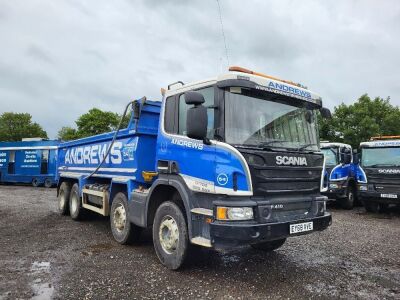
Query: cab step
[[201, 241]]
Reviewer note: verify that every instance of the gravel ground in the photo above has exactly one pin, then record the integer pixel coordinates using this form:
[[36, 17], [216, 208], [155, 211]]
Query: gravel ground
[[44, 255]]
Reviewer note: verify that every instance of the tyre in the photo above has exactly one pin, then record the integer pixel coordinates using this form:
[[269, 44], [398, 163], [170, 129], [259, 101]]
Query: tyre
[[123, 231], [348, 202], [63, 198], [76, 211], [35, 182], [269, 246], [170, 235], [371, 206], [48, 183]]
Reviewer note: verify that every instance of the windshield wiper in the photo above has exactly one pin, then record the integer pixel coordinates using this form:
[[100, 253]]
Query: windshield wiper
[[268, 143], [305, 146]]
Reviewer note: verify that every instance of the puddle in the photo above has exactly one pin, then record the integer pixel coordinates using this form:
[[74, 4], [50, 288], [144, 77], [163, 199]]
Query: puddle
[[43, 291], [40, 266], [41, 278]]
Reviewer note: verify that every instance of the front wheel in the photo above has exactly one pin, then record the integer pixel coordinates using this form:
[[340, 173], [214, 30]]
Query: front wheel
[[123, 231], [170, 235], [348, 202], [269, 246]]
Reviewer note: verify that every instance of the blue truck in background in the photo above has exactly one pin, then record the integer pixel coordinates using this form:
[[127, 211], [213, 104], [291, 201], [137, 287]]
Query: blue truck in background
[[232, 160], [32, 161], [341, 178], [378, 175]]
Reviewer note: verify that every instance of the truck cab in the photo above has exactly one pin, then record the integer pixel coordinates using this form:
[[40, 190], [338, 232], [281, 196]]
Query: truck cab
[[379, 173], [340, 173], [234, 160]]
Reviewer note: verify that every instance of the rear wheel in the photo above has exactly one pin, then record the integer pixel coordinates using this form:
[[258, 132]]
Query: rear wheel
[[269, 246], [348, 202], [35, 182], [371, 206], [124, 232], [76, 210], [48, 183], [63, 198], [170, 235]]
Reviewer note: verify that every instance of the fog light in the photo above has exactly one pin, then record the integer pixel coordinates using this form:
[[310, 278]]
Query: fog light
[[234, 213], [321, 208]]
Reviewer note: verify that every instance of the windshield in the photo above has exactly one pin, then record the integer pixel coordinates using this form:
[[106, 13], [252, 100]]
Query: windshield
[[380, 157], [330, 156], [267, 120]]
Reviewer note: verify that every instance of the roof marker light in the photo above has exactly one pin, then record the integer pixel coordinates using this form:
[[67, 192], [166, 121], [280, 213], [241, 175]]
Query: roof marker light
[[244, 70]]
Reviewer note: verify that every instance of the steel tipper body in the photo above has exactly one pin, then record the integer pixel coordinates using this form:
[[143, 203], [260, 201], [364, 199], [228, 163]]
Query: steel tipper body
[[29, 161], [340, 173], [234, 160], [379, 173]]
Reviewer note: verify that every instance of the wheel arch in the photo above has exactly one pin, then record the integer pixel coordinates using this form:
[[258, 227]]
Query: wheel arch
[[168, 190]]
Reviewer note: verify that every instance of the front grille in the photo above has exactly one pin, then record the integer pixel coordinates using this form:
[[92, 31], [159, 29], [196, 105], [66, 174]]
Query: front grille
[[269, 178], [285, 180], [374, 177], [391, 189]]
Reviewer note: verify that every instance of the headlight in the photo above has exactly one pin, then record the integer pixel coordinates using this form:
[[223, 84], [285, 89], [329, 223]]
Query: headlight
[[234, 213], [333, 186], [363, 188]]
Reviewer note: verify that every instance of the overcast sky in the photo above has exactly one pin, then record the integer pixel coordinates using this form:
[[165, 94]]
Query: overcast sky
[[60, 58]]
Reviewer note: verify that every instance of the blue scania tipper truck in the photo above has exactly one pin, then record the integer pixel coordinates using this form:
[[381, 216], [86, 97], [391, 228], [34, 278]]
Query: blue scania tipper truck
[[229, 161], [378, 174], [340, 173], [30, 161]]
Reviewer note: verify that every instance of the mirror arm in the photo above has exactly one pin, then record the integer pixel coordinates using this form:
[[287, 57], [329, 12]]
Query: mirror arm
[[206, 141]]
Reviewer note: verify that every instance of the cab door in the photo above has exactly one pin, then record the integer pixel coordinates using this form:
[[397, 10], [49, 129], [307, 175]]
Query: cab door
[[191, 159]]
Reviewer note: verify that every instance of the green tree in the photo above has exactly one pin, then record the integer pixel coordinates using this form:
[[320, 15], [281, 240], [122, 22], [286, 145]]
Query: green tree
[[358, 122], [95, 121], [15, 126], [67, 133]]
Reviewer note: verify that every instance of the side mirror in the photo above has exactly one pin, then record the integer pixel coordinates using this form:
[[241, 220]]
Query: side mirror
[[197, 119], [345, 158], [325, 113]]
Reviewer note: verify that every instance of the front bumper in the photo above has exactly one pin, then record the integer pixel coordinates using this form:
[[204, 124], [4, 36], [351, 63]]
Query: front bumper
[[228, 234], [335, 194]]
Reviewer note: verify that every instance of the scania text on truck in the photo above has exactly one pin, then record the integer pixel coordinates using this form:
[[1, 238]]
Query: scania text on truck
[[233, 160], [32, 161], [340, 173], [379, 173]]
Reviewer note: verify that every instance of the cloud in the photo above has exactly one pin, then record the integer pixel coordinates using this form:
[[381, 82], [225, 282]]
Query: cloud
[[61, 58]]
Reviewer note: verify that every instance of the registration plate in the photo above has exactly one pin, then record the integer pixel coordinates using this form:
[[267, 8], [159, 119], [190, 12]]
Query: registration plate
[[301, 227], [393, 196]]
